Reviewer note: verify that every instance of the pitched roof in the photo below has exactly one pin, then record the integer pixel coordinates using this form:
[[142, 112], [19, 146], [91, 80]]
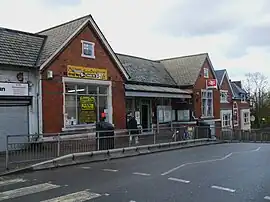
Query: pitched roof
[[145, 70], [220, 75], [185, 70], [237, 91], [19, 48], [58, 37]]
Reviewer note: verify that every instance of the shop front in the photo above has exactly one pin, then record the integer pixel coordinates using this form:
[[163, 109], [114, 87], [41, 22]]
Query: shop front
[[153, 106], [15, 104], [87, 97]]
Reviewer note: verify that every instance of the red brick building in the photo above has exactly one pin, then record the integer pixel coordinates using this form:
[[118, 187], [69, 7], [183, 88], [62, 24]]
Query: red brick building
[[196, 73], [81, 78], [226, 96]]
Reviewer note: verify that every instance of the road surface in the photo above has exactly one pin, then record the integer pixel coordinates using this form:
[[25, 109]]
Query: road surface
[[226, 172]]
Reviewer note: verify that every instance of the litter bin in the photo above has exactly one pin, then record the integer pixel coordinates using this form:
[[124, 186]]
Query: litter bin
[[105, 132]]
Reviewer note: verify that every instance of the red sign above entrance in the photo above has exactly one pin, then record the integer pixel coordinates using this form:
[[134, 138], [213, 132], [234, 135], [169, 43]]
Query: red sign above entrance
[[211, 83]]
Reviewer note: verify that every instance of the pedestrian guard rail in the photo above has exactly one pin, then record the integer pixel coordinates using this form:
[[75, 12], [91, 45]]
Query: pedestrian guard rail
[[22, 150]]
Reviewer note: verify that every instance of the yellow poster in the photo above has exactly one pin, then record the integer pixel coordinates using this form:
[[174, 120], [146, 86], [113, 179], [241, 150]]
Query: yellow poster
[[87, 73], [87, 103]]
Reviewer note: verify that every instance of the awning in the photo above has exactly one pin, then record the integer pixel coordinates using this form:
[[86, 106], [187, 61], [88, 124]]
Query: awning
[[133, 90]]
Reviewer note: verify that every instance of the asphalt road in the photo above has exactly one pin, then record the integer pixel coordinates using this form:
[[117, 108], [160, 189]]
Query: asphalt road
[[227, 172]]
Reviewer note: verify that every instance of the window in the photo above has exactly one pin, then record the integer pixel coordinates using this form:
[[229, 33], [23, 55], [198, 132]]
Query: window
[[246, 118], [205, 73], [207, 103], [183, 115], [226, 119], [223, 96], [235, 114], [243, 98], [88, 49], [84, 103]]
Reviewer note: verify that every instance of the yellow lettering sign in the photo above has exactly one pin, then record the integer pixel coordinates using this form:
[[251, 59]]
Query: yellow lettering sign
[[87, 73]]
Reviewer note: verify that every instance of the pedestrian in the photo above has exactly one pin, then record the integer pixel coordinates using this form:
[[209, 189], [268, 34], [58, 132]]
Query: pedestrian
[[132, 127]]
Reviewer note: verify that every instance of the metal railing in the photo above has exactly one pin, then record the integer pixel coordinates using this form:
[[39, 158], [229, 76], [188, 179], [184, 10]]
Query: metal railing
[[24, 149], [237, 135]]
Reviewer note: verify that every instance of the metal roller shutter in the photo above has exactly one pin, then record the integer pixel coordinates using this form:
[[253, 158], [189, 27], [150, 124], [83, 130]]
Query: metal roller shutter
[[13, 121]]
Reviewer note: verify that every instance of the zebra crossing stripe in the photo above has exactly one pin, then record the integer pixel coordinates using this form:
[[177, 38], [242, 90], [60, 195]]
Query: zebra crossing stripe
[[12, 181], [75, 197], [15, 193]]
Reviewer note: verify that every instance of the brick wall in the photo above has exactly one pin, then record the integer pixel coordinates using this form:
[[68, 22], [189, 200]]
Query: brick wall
[[52, 98], [201, 84]]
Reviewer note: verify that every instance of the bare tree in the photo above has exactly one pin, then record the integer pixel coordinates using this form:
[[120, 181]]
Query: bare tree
[[256, 85]]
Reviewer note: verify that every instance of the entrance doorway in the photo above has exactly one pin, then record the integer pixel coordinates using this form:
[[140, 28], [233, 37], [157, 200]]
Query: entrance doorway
[[145, 116]]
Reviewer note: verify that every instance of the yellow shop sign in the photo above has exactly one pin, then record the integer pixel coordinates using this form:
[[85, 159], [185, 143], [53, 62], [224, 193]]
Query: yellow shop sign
[[87, 73]]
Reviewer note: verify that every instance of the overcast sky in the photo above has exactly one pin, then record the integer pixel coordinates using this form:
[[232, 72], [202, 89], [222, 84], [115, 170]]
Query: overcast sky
[[236, 33]]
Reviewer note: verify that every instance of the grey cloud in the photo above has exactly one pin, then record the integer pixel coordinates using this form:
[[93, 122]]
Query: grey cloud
[[197, 18], [256, 36]]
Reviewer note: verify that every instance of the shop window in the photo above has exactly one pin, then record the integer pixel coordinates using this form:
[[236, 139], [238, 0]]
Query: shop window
[[183, 115], [88, 49], [207, 103], [83, 105]]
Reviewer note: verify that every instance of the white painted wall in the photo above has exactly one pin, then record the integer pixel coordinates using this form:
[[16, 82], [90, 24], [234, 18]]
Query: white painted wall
[[245, 126], [8, 74]]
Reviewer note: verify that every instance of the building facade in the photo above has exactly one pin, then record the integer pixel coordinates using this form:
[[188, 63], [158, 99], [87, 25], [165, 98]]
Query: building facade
[[196, 73], [226, 99], [19, 91], [81, 79], [241, 107]]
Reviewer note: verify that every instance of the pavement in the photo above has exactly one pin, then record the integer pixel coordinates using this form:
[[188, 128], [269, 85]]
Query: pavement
[[233, 172]]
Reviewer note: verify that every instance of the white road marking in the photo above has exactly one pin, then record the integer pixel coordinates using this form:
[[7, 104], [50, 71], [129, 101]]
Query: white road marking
[[224, 189], [12, 181], [208, 161], [75, 197], [142, 174], [110, 170], [26, 191], [86, 168], [178, 180], [196, 162], [267, 197], [106, 194], [257, 149], [132, 201]]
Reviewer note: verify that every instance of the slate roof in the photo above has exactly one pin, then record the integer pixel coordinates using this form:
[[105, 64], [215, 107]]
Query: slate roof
[[237, 90], [145, 70], [19, 48], [185, 70], [56, 36], [219, 74]]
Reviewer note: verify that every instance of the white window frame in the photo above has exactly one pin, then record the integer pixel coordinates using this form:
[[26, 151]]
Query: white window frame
[[93, 51], [206, 73], [67, 80], [204, 113], [224, 92], [223, 114], [243, 98], [246, 120]]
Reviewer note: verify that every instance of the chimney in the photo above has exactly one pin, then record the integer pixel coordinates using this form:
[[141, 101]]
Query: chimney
[[238, 83]]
